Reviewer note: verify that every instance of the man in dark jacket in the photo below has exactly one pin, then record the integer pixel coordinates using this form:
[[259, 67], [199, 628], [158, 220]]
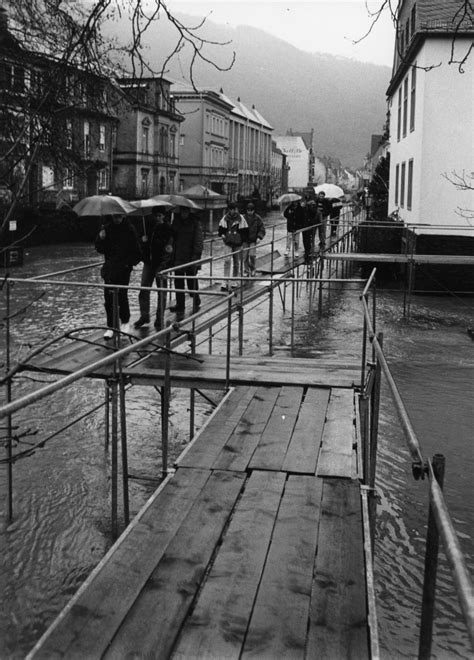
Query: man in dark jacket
[[295, 220], [311, 219], [157, 255], [323, 208], [188, 245], [118, 242]]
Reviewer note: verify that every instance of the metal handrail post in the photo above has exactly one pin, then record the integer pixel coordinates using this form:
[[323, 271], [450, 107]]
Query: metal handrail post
[[229, 338], [192, 394], [431, 567], [292, 311], [9, 398], [123, 437], [271, 300], [165, 406], [114, 457]]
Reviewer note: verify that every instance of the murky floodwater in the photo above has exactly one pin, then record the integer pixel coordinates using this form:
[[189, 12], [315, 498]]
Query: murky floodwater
[[61, 527]]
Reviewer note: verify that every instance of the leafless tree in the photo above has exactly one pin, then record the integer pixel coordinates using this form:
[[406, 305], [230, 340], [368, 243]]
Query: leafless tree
[[462, 181], [65, 37]]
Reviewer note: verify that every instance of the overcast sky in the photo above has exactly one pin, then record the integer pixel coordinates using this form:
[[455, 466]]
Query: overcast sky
[[325, 26]]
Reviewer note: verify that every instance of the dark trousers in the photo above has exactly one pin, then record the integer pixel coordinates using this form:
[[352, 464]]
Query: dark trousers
[[149, 275], [192, 284], [116, 276], [308, 242]]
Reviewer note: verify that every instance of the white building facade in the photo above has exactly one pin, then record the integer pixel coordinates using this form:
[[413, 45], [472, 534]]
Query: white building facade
[[297, 158], [432, 121]]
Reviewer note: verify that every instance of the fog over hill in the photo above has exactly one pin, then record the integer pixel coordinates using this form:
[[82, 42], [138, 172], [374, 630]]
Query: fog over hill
[[342, 99]]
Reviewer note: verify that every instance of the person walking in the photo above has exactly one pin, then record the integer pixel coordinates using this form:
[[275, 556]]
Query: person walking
[[311, 220], [323, 209], [256, 232], [117, 240], [188, 245], [336, 206], [157, 255], [295, 218], [234, 231]]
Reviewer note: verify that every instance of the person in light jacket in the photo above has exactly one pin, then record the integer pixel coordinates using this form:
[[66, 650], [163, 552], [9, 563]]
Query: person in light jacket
[[256, 232], [234, 231]]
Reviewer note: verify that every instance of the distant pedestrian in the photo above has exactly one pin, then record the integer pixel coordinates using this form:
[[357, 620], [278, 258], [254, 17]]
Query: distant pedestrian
[[157, 255], [336, 206], [295, 218], [233, 228], [323, 209], [311, 220], [256, 232], [188, 245], [118, 242]]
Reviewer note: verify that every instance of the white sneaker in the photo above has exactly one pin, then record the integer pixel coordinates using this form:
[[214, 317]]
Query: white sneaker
[[108, 334], [125, 327]]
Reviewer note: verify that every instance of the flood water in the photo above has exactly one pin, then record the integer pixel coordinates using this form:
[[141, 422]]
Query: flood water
[[61, 527]]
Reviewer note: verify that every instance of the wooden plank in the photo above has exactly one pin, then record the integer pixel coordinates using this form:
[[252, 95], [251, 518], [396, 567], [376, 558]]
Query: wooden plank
[[217, 626], [153, 623], [335, 457], [280, 617], [273, 445], [208, 445], [303, 451], [237, 452], [89, 622], [338, 619]]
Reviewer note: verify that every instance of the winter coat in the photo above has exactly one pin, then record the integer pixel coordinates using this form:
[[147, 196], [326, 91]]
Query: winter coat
[[233, 229], [295, 217], [157, 250], [120, 248], [323, 206], [336, 206], [188, 239], [256, 228]]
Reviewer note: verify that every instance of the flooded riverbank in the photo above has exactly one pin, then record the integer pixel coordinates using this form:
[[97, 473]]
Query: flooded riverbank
[[61, 527]]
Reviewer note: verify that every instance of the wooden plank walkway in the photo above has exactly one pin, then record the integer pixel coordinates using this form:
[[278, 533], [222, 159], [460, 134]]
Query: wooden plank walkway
[[253, 548]]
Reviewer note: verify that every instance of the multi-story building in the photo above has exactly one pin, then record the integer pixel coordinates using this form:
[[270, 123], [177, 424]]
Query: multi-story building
[[204, 142], [298, 159], [225, 146], [278, 174], [57, 126], [431, 105], [146, 154]]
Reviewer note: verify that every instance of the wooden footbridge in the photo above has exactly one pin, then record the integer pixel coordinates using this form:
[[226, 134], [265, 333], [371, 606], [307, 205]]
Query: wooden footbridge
[[258, 542]]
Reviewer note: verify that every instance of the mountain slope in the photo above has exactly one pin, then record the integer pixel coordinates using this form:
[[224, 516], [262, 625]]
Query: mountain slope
[[341, 99]]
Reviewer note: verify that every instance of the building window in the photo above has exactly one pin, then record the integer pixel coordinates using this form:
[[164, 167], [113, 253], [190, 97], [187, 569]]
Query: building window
[[68, 183], [405, 106], [101, 137], [397, 183], [402, 186], [69, 143], [47, 176], [173, 142], [413, 98], [145, 138], [163, 139], [410, 184], [399, 117], [87, 140], [145, 178], [103, 179]]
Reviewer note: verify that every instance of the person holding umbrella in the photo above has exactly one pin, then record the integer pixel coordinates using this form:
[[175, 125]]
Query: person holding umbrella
[[117, 240], [323, 209], [188, 245], [157, 255]]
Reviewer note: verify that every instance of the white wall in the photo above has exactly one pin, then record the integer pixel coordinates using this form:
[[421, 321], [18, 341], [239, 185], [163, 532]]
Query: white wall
[[297, 158], [442, 141]]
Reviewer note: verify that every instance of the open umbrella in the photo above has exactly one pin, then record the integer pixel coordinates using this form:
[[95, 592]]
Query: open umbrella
[[178, 200], [330, 189], [99, 205], [145, 206], [287, 198]]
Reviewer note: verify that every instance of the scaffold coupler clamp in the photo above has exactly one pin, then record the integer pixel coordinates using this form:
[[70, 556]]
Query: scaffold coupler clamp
[[419, 469]]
